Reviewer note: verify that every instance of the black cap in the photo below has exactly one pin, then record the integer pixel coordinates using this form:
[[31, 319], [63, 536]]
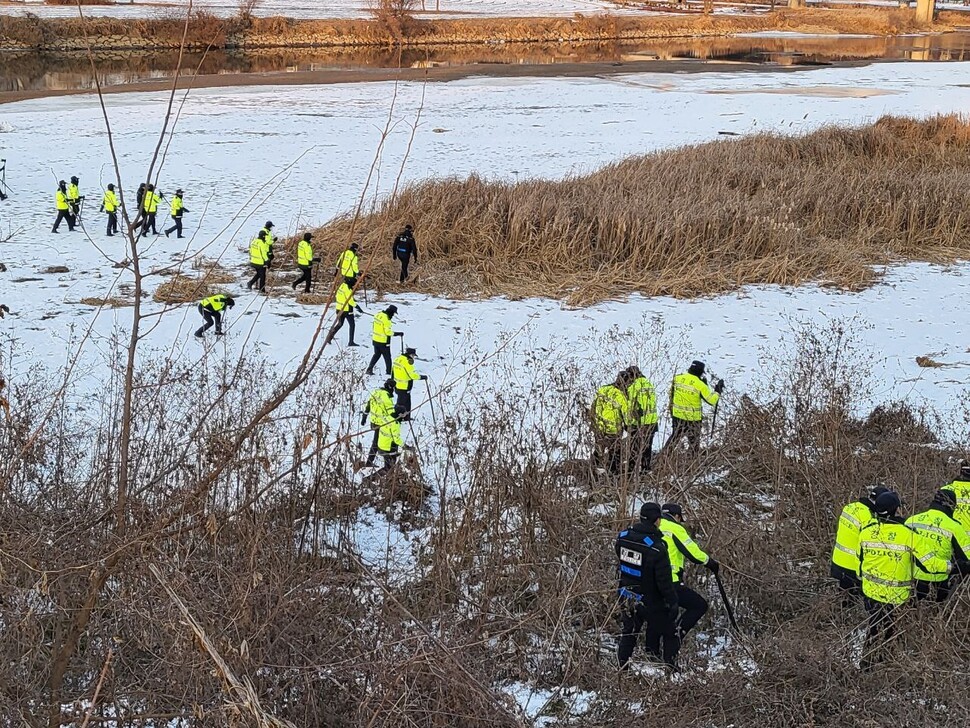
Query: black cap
[[179, 191], [876, 491], [409, 227], [673, 509], [353, 246], [887, 504], [350, 281], [411, 351], [307, 236], [696, 368], [945, 497], [111, 187], [391, 310], [650, 511], [388, 384], [269, 224], [74, 180], [61, 183]]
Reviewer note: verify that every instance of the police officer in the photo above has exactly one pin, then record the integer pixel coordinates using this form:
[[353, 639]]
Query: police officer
[[176, 208], [945, 537], [346, 305], [270, 241], [382, 333], [380, 409], [403, 247], [389, 444], [646, 590], [305, 261], [74, 199], [404, 378], [348, 265], [642, 417], [211, 309], [63, 208], [109, 204], [845, 556], [258, 259], [961, 491], [610, 415], [686, 393], [890, 555], [681, 548], [149, 208]]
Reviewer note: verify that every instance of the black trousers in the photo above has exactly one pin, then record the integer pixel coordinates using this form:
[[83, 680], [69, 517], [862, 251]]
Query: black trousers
[[405, 259], [75, 212], [306, 277], [212, 318], [177, 227], [404, 402], [112, 223], [380, 351], [258, 279], [149, 222], [372, 453], [66, 216], [848, 583], [390, 460], [692, 607], [688, 429], [343, 316], [608, 451], [939, 589], [882, 626], [641, 447], [661, 637]]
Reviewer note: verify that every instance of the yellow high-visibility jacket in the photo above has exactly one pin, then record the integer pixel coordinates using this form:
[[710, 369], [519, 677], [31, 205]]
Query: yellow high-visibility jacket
[[404, 374], [939, 533], [389, 434], [687, 393], [610, 410], [110, 201], [149, 202], [380, 408], [60, 199], [214, 303], [73, 193], [680, 546], [643, 402], [304, 254], [258, 252], [348, 264], [961, 489], [345, 298], [890, 555], [383, 328], [175, 208], [854, 517]]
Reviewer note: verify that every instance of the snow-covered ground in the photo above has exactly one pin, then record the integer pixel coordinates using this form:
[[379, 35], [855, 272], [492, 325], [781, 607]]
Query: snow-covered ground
[[320, 141], [320, 9]]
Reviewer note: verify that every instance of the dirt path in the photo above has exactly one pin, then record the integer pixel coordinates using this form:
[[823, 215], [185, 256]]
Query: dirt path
[[363, 75]]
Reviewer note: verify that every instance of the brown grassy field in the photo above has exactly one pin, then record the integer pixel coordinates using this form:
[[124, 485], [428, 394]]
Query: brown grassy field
[[694, 221]]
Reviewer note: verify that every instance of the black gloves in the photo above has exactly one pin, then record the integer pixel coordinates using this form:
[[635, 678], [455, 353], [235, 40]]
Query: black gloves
[[399, 333], [363, 419], [230, 303], [423, 377], [719, 387], [712, 565], [360, 310], [961, 566]]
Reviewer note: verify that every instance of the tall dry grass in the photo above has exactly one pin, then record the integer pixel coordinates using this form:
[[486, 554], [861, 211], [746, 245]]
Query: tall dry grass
[[693, 221]]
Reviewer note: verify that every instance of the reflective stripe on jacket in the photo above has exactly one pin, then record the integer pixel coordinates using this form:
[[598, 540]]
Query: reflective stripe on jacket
[[345, 298], [110, 201], [214, 303], [380, 407], [60, 199], [938, 533], [258, 252], [854, 517], [347, 264], [686, 395], [390, 434], [73, 193], [610, 410], [150, 202], [383, 328], [175, 208], [643, 402], [961, 489], [890, 554], [680, 546]]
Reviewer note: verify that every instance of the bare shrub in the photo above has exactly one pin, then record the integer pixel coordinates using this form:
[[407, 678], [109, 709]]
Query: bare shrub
[[395, 18]]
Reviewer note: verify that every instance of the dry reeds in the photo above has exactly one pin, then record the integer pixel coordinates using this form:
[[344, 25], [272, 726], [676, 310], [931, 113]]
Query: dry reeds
[[693, 221], [184, 289], [109, 302]]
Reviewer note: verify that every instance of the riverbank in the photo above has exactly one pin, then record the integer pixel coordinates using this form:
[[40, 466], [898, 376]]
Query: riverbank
[[208, 32]]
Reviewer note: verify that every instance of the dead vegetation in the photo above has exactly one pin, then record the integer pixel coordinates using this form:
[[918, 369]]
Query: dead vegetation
[[693, 221], [109, 302], [269, 597]]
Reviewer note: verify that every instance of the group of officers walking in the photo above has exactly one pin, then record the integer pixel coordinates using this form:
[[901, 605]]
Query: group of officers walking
[[883, 560], [69, 202], [624, 417]]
